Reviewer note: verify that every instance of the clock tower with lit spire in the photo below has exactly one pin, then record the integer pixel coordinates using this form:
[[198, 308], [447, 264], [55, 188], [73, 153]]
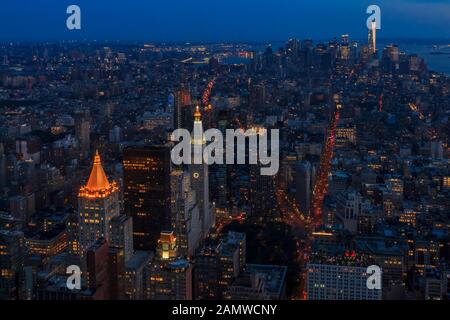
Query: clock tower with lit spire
[[200, 177]]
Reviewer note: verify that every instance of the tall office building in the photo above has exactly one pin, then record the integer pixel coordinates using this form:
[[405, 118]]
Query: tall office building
[[147, 193], [182, 108], [169, 278], [219, 192], [73, 238], [230, 257], [303, 186], [207, 274], [200, 179], [217, 265], [373, 38], [391, 57], [185, 214], [116, 271], [98, 204], [135, 271], [293, 47], [122, 235], [105, 271], [262, 195], [348, 209]]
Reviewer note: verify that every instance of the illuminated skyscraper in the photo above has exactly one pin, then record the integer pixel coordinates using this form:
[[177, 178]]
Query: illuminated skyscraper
[[373, 38], [147, 193], [200, 179], [169, 278], [98, 204], [182, 109], [185, 214]]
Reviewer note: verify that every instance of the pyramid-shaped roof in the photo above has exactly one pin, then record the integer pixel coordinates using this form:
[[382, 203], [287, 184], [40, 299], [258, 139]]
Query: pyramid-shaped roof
[[98, 181]]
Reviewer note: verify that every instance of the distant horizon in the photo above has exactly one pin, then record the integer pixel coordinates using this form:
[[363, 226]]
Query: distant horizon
[[402, 40], [419, 46]]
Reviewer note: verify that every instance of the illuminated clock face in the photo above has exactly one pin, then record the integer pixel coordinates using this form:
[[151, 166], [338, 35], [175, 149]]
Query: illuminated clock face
[[196, 175]]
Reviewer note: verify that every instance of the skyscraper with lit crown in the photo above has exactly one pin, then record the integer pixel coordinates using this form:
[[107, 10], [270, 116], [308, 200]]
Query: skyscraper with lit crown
[[169, 277], [200, 177], [98, 203]]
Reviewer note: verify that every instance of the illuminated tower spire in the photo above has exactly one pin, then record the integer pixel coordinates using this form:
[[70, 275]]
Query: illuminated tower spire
[[197, 114], [198, 138], [98, 181], [98, 203]]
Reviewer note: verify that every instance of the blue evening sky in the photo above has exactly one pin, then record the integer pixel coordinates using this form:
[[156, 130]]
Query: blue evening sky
[[216, 20]]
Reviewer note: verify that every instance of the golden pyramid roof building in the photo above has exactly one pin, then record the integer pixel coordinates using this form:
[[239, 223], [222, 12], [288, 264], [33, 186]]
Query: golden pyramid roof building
[[97, 180], [98, 185]]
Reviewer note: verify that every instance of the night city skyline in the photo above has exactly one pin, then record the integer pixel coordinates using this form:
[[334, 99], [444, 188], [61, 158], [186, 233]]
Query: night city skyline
[[225, 159]]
